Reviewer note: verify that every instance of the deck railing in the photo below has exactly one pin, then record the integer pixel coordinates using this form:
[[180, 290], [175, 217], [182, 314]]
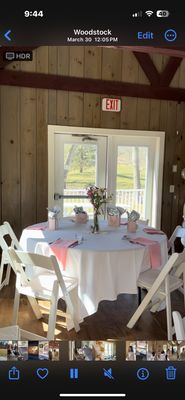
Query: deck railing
[[126, 198]]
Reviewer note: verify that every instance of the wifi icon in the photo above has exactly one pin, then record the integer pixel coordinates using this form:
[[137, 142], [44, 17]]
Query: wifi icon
[[149, 13]]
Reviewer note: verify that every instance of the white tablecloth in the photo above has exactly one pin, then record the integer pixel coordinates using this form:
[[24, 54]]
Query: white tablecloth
[[105, 264]]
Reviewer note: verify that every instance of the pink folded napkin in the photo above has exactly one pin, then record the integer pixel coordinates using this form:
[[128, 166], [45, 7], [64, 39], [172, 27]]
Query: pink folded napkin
[[153, 231], [59, 249], [154, 250], [38, 227]]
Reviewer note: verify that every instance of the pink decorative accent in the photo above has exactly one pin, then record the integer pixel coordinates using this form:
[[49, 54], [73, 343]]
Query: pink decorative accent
[[53, 224], [131, 226], [154, 249], [59, 249], [153, 231], [81, 218], [113, 220]]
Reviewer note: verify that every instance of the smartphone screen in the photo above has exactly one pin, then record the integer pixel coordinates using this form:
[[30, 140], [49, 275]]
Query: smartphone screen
[[92, 234]]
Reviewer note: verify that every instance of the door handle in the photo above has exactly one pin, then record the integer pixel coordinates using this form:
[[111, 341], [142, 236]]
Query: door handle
[[58, 196]]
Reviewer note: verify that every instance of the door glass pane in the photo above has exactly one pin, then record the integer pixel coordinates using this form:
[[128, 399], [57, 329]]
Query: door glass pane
[[79, 172], [131, 178]]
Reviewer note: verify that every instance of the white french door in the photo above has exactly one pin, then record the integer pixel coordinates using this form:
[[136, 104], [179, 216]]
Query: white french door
[[79, 161], [131, 173], [128, 163]]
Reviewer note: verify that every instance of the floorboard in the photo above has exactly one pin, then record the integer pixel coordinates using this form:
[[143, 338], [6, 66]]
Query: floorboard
[[108, 322]]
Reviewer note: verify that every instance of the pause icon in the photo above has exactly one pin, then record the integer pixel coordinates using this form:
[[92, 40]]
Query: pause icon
[[73, 373]]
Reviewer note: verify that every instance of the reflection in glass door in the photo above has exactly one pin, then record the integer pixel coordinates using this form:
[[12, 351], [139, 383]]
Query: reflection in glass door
[[131, 173], [79, 162], [131, 178]]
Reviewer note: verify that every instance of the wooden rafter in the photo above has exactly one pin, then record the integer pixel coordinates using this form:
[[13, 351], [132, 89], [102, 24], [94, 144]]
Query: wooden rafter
[[167, 51], [154, 77], [148, 67], [167, 75], [87, 85]]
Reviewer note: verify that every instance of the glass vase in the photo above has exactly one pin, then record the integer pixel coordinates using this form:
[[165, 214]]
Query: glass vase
[[95, 227]]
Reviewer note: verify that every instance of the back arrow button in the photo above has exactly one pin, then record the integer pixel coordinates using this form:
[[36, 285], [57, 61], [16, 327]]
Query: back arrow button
[[6, 35]]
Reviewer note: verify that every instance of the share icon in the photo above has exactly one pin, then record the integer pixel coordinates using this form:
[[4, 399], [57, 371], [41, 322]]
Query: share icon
[[108, 373]]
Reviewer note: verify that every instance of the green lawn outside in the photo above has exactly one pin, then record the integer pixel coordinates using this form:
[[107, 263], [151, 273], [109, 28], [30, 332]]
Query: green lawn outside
[[77, 180]]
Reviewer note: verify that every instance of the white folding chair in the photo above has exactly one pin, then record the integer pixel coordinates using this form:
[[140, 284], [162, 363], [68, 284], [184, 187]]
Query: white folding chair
[[14, 332], [179, 232], [162, 283], [47, 283], [6, 233], [179, 325]]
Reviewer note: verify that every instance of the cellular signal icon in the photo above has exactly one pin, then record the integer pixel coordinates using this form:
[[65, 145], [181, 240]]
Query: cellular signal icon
[[149, 13], [137, 14]]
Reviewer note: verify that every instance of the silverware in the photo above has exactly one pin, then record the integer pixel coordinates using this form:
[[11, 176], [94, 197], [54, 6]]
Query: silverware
[[54, 240], [126, 237], [74, 245]]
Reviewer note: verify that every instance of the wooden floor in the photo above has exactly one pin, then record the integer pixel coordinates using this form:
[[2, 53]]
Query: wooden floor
[[108, 322]]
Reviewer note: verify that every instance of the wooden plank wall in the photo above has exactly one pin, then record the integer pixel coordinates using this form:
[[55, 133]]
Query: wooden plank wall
[[25, 114]]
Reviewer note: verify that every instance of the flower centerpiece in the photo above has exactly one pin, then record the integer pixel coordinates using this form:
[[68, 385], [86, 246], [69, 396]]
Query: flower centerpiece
[[98, 197]]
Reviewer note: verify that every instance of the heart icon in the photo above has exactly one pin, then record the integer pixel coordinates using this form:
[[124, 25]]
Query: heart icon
[[42, 373]]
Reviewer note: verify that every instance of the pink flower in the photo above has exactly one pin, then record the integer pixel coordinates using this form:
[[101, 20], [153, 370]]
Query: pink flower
[[98, 197]]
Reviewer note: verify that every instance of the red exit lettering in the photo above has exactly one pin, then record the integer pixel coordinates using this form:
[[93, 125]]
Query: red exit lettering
[[111, 104]]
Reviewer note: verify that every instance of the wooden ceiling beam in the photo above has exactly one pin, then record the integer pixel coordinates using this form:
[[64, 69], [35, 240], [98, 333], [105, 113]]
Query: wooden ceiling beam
[[86, 85], [167, 75], [155, 78], [178, 51], [148, 67]]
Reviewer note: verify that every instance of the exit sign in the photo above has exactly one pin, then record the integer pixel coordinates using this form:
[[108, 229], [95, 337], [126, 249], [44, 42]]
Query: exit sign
[[111, 104]]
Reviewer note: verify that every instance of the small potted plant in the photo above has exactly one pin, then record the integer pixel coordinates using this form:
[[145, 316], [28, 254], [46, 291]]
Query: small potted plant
[[81, 216], [133, 217], [53, 217], [114, 215]]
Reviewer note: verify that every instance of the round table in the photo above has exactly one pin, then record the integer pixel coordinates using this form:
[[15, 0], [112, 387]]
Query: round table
[[106, 264]]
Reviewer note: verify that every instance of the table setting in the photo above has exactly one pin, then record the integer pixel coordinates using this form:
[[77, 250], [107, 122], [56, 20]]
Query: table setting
[[106, 260]]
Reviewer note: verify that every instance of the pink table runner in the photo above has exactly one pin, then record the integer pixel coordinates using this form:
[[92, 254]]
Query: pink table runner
[[59, 248], [153, 231], [154, 250]]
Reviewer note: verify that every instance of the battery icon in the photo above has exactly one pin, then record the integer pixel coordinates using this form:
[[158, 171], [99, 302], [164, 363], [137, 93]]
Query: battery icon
[[162, 13]]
